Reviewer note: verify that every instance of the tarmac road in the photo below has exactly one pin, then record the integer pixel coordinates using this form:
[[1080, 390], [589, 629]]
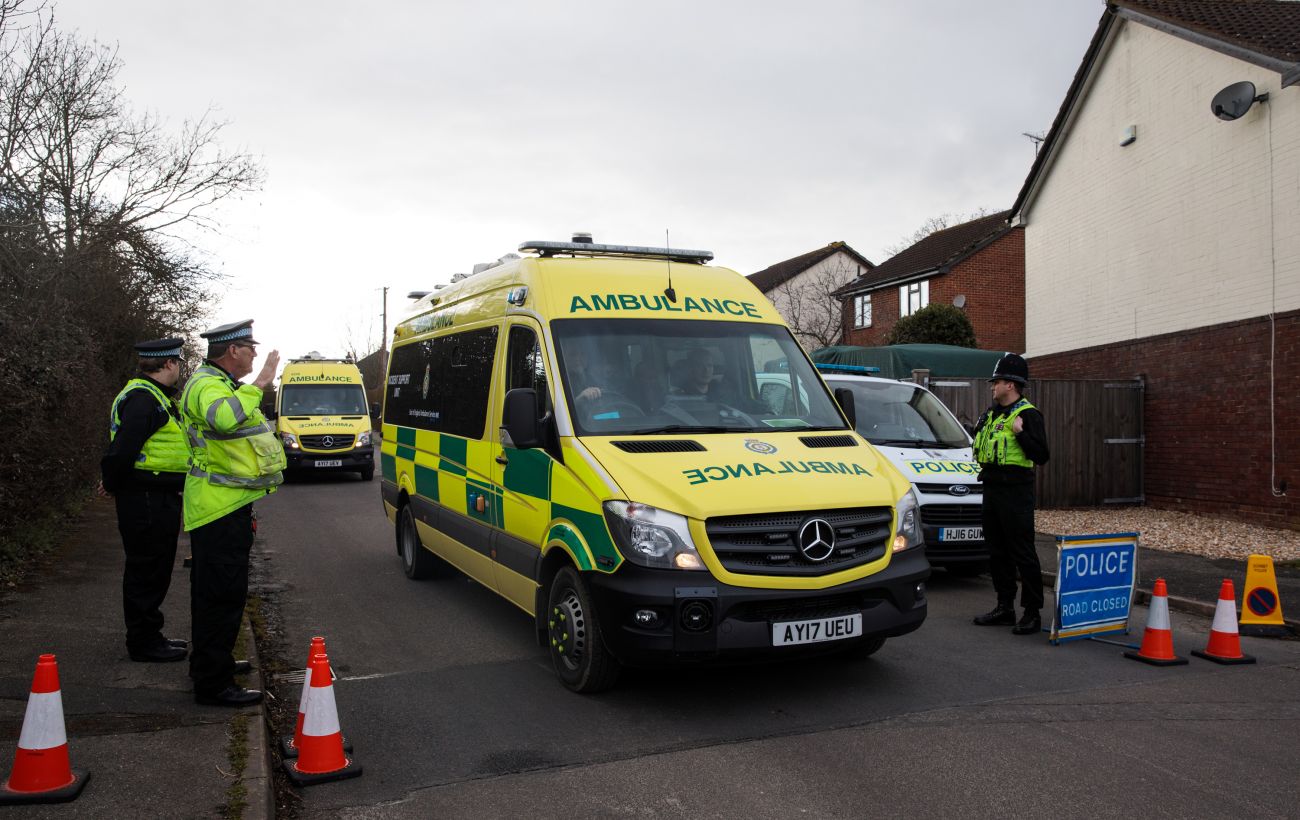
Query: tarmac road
[[454, 710]]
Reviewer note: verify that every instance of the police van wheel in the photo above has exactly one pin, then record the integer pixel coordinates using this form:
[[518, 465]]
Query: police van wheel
[[577, 650], [969, 570], [418, 562], [865, 649]]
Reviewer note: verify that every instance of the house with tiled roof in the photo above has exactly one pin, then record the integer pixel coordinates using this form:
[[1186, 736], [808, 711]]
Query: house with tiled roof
[[1160, 220], [802, 290], [977, 266]]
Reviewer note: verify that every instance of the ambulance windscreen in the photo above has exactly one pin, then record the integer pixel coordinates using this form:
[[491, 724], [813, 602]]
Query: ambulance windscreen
[[323, 400], [650, 376]]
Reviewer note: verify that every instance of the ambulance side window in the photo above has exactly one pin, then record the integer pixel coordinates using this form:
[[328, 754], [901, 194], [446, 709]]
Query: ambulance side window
[[525, 366]]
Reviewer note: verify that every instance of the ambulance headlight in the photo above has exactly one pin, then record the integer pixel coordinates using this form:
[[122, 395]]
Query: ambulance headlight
[[363, 439], [907, 514], [290, 440], [652, 537]]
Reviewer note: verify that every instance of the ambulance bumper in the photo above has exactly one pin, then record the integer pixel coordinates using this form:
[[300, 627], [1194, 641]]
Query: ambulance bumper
[[357, 459], [698, 619]]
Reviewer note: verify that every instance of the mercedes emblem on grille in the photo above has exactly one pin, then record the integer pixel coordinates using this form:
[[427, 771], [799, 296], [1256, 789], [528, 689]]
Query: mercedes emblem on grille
[[327, 441], [817, 539]]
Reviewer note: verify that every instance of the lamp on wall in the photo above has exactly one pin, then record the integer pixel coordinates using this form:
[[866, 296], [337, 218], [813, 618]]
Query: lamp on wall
[[1234, 101]]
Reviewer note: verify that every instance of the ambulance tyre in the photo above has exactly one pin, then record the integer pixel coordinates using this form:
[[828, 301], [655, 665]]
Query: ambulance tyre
[[417, 562], [577, 649], [865, 649], [368, 474]]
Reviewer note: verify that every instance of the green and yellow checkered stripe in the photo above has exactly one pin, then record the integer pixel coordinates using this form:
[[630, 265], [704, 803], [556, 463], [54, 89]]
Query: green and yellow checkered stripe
[[539, 500]]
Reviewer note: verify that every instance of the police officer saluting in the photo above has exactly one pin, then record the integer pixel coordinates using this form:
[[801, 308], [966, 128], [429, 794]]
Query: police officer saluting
[[1011, 438], [237, 459], [144, 470]]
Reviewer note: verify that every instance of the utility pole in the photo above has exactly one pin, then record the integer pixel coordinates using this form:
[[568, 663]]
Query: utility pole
[[383, 337]]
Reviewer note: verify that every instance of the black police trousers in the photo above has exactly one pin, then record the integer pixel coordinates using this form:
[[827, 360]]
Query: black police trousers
[[150, 524], [218, 591], [1009, 533]]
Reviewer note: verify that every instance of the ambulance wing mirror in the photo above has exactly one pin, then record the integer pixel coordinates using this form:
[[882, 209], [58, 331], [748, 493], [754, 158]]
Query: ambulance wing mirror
[[269, 412], [844, 396], [374, 409], [520, 425]]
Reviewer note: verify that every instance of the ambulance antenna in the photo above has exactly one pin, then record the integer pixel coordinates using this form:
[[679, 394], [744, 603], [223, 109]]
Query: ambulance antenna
[[668, 291]]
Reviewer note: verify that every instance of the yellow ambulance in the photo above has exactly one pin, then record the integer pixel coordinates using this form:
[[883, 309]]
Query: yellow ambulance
[[582, 430], [322, 417]]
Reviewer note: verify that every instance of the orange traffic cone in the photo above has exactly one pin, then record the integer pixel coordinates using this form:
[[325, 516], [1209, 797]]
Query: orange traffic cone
[[1224, 646], [1158, 641], [289, 743], [320, 750], [41, 772]]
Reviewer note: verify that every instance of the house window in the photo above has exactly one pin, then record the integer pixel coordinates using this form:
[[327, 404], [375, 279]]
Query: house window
[[862, 310], [913, 297]]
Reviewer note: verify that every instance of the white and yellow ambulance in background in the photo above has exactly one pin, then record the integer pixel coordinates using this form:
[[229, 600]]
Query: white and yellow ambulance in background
[[322, 417], [582, 431]]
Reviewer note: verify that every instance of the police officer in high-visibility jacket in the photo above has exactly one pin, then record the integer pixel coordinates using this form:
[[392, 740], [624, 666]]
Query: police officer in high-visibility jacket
[[144, 470], [1010, 439], [236, 459]]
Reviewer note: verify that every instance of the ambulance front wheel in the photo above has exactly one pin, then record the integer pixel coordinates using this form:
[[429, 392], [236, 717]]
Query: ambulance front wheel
[[368, 474], [577, 650], [417, 562]]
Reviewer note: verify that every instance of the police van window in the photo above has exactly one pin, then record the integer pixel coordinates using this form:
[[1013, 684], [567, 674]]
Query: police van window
[[896, 414], [648, 376], [442, 384], [525, 366]]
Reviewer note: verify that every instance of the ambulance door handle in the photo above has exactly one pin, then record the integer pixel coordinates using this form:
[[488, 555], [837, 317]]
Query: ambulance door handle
[[502, 460]]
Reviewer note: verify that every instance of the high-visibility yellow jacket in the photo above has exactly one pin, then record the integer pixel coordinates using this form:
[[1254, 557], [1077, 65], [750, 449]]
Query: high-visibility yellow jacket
[[236, 456], [163, 452]]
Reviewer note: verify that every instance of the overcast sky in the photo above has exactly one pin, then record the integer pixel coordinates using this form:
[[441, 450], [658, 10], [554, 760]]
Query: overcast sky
[[405, 141]]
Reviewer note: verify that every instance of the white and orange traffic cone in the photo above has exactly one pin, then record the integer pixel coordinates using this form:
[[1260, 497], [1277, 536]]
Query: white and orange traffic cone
[[320, 749], [1224, 645], [289, 743], [1158, 641], [42, 773]]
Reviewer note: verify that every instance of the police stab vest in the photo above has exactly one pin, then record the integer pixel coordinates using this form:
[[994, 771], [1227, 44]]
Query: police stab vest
[[248, 457], [163, 452], [995, 443]]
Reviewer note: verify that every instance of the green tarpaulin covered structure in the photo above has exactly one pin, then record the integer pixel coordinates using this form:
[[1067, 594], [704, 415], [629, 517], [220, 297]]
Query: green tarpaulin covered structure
[[898, 361]]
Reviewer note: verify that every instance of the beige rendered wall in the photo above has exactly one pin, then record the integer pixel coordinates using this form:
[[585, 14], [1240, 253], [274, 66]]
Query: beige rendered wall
[[1196, 223]]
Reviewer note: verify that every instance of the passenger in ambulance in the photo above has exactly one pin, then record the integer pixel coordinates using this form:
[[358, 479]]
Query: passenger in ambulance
[[693, 374]]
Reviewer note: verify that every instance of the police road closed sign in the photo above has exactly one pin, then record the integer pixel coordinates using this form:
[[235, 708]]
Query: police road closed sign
[[1095, 577]]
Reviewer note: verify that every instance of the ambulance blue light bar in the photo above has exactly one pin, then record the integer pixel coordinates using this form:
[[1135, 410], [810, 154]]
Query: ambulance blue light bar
[[545, 249], [827, 367]]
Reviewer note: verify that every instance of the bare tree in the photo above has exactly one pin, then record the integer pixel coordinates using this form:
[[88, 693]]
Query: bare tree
[[99, 212], [809, 306], [933, 225]]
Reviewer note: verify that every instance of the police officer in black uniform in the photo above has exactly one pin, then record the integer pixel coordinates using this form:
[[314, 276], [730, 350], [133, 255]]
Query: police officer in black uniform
[[1010, 439], [144, 470]]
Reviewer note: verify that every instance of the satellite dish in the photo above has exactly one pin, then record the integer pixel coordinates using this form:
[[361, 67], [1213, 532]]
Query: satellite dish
[[1235, 100], [959, 300]]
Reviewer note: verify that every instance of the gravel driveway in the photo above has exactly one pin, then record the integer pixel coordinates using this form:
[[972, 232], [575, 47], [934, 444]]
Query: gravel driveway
[[1175, 531]]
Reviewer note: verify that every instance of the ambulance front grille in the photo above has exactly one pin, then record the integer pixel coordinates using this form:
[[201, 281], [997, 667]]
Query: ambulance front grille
[[952, 515], [338, 442], [767, 544]]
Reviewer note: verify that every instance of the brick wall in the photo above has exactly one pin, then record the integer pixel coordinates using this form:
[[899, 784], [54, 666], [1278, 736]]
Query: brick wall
[[993, 282], [1207, 423]]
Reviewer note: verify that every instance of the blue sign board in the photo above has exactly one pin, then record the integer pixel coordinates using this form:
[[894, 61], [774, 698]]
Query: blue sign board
[[1095, 577]]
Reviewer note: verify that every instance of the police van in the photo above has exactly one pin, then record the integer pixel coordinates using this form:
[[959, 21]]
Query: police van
[[322, 417], [922, 438], [581, 431]]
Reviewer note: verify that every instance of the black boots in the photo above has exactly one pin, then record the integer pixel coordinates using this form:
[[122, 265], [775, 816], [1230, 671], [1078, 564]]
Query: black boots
[[1029, 624], [1004, 615], [1000, 615]]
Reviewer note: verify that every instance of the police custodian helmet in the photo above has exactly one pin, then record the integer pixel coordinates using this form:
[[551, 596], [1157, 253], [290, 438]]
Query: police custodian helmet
[[1011, 368]]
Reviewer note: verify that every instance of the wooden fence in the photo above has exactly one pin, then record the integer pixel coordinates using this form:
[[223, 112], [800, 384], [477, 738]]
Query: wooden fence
[[1094, 430]]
